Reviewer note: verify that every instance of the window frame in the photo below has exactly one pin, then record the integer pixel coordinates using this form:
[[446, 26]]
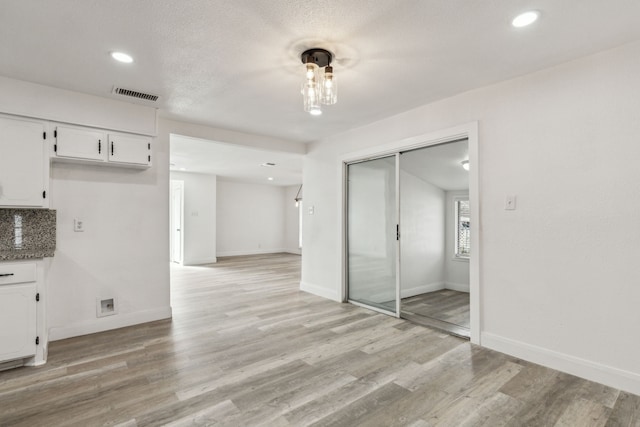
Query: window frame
[[457, 256]]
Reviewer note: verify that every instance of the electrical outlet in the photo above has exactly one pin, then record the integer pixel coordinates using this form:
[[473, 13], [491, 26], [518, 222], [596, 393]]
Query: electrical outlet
[[105, 307], [78, 225]]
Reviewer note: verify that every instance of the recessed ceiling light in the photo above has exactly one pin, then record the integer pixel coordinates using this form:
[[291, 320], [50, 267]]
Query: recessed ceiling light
[[526, 18], [270, 178], [122, 57]]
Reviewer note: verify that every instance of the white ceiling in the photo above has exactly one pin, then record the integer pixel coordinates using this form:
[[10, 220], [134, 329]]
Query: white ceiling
[[235, 64], [439, 165], [234, 162]]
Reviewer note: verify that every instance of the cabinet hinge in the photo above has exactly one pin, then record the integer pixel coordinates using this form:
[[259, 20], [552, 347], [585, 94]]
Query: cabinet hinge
[[397, 231], [149, 146], [44, 194], [55, 147], [55, 133], [44, 135], [149, 159], [38, 297], [37, 340]]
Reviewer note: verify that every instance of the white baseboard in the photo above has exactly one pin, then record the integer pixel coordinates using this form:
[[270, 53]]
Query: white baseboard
[[423, 289], [460, 287], [251, 252], [107, 323], [200, 261], [603, 374], [320, 291]]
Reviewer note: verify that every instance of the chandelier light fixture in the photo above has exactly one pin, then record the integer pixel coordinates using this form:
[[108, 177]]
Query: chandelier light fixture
[[319, 85]]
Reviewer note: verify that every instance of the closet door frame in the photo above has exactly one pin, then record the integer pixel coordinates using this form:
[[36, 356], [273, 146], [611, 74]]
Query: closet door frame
[[345, 297], [468, 131]]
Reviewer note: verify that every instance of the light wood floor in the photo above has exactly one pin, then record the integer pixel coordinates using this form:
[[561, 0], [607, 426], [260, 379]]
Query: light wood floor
[[446, 305], [247, 348]]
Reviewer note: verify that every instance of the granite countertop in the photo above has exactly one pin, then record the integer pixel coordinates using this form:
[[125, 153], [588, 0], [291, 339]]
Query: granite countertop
[[27, 233]]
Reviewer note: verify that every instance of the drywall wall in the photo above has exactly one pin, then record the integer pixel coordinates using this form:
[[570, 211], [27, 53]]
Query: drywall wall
[[559, 283], [48, 103], [292, 220], [199, 217], [123, 252], [456, 270], [250, 218], [422, 227]]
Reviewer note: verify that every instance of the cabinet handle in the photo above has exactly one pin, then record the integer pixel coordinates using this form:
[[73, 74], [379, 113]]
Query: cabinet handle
[[6, 274], [99, 147], [112, 148]]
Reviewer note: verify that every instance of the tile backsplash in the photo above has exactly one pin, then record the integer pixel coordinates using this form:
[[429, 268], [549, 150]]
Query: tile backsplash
[[27, 233]]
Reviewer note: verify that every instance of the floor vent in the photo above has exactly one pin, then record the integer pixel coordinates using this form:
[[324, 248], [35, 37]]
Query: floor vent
[[135, 94]]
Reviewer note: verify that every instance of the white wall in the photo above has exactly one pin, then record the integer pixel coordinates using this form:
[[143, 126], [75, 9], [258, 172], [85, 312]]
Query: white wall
[[559, 283], [422, 246], [250, 218], [291, 220], [199, 217], [123, 252], [456, 271]]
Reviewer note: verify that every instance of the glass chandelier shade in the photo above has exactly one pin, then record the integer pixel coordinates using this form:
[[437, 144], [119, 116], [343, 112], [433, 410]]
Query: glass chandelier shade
[[311, 89], [319, 85], [328, 87]]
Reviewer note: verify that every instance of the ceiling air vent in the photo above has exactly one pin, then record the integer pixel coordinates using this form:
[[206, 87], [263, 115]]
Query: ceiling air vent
[[135, 94]]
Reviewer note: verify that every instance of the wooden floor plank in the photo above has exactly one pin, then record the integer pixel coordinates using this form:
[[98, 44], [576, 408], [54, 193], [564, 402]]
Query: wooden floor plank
[[247, 348]]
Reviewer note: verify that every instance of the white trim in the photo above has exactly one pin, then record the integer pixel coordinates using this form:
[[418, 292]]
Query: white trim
[[607, 375], [251, 252], [107, 323], [373, 308], [422, 289], [460, 287], [468, 131], [199, 261], [320, 291]]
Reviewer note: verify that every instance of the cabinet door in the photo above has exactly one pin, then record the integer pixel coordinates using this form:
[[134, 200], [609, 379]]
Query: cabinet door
[[130, 149], [22, 162], [82, 144], [17, 321]]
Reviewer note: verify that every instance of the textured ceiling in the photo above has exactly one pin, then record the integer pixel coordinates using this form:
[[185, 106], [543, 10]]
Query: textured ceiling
[[234, 162], [235, 64]]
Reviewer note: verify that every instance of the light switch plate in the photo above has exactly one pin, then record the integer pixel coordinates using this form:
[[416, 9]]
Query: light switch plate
[[510, 203]]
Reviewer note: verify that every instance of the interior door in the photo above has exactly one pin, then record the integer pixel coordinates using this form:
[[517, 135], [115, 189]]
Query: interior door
[[177, 188], [372, 234]]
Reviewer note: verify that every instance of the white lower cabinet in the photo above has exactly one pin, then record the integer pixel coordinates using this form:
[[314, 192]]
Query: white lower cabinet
[[18, 311]]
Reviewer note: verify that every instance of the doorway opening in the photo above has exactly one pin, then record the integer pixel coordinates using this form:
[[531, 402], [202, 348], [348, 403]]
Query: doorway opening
[[435, 247], [177, 221], [410, 240]]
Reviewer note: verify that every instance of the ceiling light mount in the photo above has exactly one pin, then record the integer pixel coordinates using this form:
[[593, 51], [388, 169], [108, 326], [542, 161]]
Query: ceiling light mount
[[320, 57], [318, 87]]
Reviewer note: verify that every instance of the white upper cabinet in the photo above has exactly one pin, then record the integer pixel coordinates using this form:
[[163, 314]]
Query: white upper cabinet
[[129, 149], [76, 144], [24, 172], [84, 144]]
